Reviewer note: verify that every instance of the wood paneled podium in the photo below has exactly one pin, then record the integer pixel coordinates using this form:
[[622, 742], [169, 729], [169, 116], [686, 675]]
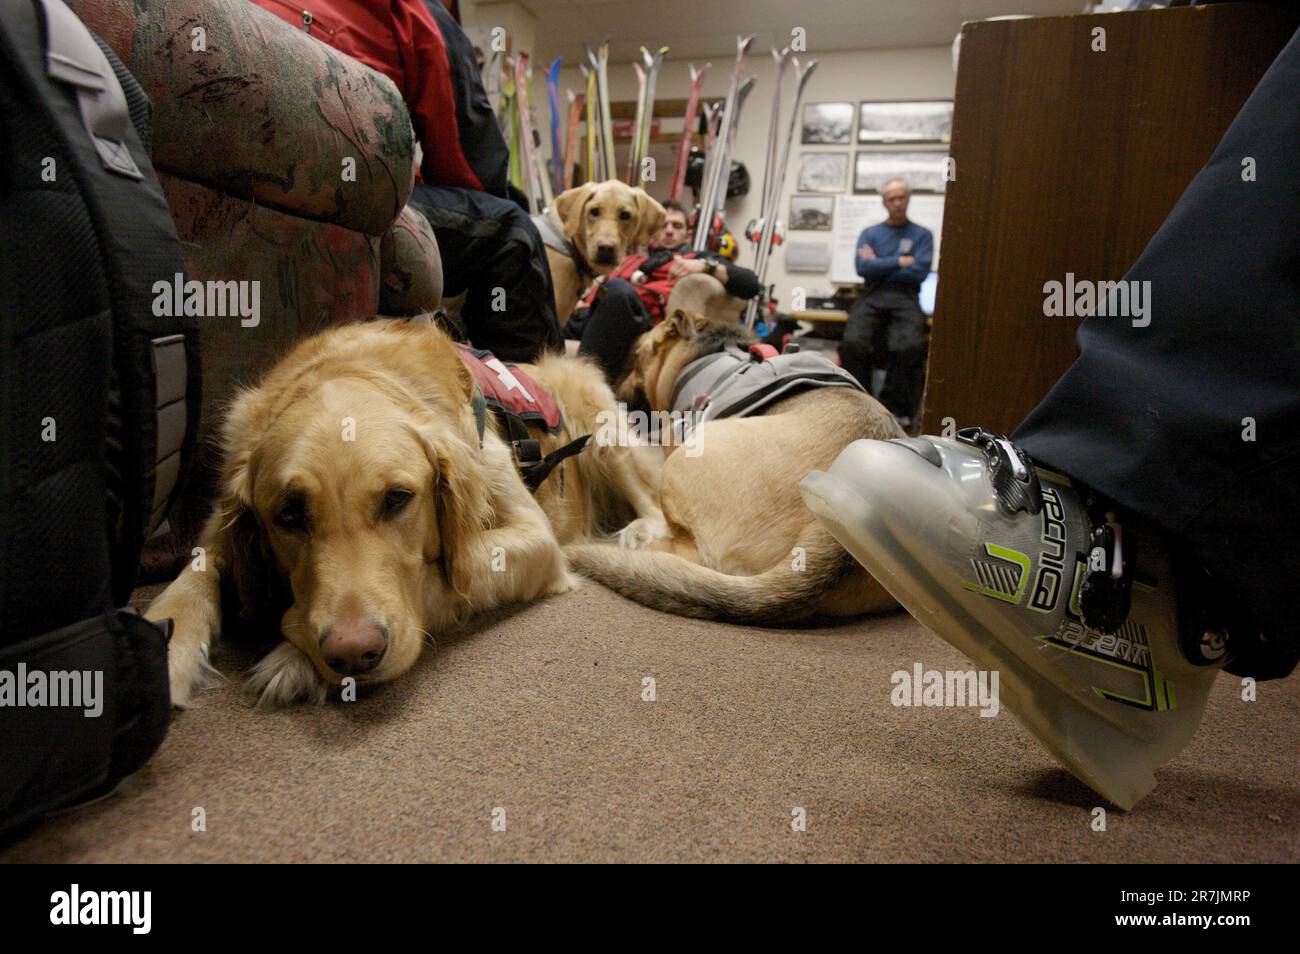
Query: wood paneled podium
[[1067, 160]]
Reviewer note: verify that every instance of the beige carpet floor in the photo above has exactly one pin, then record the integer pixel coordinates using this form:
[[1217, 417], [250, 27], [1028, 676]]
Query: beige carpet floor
[[539, 712]]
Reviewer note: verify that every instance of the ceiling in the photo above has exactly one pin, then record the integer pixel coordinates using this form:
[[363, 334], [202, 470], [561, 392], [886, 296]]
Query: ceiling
[[693, 29]]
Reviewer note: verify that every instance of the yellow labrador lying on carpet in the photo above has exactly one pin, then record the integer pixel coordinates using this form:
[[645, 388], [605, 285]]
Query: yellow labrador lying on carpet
[[359, 514], [743, 545], [599, 222]]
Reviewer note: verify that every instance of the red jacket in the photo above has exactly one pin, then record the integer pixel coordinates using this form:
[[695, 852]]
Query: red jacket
[[400, 39], [656, 287]]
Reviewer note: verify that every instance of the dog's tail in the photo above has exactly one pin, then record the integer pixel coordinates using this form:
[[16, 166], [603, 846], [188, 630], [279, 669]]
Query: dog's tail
[[786, 592]]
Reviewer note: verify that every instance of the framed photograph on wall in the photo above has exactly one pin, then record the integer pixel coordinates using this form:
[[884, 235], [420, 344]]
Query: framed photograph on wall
[[872, 168], [827, 124], [823, 172], [811, 212], [927, 120]]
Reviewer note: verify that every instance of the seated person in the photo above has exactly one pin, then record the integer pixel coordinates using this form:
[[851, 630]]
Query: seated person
[[632, 298], [893, 260], [487, 241]]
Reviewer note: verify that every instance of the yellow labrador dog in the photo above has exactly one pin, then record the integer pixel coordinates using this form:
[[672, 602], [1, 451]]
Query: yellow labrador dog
[[600, 223], [742, 545], [362, 511]]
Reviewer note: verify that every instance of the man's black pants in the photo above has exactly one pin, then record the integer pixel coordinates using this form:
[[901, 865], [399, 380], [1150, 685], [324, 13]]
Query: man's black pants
[[1194, 420], [607, 333], [492, 251], [893, 313]]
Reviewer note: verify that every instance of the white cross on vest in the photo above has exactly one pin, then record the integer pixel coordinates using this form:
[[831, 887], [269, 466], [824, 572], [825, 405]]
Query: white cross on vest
[[508, 379]]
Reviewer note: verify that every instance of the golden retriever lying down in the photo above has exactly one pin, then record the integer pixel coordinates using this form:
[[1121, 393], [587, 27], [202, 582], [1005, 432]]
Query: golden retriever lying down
[[359, 515], [742, 547]]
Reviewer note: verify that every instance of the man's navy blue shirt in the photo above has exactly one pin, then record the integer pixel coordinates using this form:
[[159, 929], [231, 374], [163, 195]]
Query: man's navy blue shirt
[[890, 242]]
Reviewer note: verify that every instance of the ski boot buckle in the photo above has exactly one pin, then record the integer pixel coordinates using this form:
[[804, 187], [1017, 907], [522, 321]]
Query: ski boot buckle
[[1011, 472]]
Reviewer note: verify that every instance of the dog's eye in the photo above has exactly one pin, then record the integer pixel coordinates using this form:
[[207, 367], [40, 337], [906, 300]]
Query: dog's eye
[[594, 212], [395, 501], [625, 215], [292, 516]]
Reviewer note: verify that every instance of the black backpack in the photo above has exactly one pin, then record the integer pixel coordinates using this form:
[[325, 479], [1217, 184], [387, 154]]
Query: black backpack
[[99, 403]]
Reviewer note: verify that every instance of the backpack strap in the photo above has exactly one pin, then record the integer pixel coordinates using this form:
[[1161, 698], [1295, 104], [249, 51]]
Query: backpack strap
[[73, 57]]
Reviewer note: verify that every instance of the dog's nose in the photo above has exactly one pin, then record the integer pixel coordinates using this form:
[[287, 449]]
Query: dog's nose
[[606, 254], [354, 647]]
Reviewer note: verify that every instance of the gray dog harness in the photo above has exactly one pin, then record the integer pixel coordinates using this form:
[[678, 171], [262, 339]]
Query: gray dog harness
[[552, 237], [736, 383]]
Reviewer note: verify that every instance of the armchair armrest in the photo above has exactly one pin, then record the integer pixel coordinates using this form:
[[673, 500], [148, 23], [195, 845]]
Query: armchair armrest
[[248, 106]]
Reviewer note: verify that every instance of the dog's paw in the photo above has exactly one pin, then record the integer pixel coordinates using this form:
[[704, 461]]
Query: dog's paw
[[189, 672], [565, 583], [285, 676], [642, 532]]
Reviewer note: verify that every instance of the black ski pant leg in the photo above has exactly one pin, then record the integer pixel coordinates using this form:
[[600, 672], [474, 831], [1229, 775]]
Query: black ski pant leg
[[1190, 415], [905, 344], [617, 318], [493, 253], [858, 347]]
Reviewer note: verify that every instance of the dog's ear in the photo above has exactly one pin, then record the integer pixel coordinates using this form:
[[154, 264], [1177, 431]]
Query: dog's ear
[[243, 555], [242, 552], [631, 390], [463, 501], [569, 206], [685, 324], [245, 551], [431, 364], [651, 217]]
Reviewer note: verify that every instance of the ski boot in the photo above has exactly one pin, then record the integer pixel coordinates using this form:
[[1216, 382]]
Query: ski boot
[[1032, 576]]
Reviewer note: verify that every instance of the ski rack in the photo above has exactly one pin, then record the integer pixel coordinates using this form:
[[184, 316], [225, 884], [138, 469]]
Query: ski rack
[[684, 150], [772, 189], [538, 185], [636, 123], [722, 172], [646, 110], [712, 126], [589, 76], [509, 119], [570, 159], [557, 132], [600, 64], [718, 166], [781, 61]]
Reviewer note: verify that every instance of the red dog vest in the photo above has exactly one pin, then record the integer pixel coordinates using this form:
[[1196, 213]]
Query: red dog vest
[[507, 388]]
